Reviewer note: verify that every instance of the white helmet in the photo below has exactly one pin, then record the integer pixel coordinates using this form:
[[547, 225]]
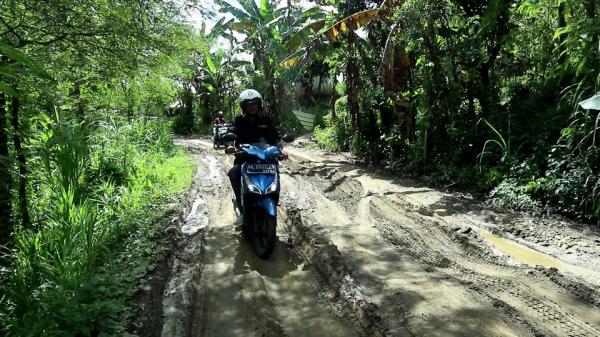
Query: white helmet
[[250, 96]]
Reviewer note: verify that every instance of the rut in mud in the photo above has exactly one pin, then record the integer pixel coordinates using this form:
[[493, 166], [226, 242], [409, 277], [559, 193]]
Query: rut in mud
[[366, 255]]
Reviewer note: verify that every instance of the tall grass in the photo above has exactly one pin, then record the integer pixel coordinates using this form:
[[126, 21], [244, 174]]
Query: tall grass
[[498, 140], [96, 198]]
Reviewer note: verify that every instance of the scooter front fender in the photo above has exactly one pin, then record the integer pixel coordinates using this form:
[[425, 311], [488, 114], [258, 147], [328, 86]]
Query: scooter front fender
[[268, 205]]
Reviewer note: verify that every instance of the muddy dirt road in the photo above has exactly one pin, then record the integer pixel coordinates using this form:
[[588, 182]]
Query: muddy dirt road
[[362, 254]]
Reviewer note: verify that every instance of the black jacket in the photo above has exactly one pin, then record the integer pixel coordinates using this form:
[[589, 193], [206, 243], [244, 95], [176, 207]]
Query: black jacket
[[249, 132]]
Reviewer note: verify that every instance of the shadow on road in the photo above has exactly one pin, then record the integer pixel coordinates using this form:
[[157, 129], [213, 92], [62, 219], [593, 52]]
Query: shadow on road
[[278, 265]]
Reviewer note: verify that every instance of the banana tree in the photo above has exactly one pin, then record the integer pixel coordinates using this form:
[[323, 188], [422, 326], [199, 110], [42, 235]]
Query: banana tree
[[344, 29], [266, 28], [216, 77], [394, 67]]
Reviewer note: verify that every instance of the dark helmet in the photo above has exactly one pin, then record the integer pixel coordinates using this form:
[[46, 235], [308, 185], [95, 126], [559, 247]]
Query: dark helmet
[[220, 113], [250, 96]]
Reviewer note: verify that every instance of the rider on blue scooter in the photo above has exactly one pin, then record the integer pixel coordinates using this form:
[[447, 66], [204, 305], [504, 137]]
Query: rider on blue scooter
[[251, 127]]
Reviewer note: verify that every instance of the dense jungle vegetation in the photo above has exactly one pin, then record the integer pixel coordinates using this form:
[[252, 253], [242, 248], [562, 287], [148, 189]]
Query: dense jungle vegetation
[[87, 163], [481, 95]]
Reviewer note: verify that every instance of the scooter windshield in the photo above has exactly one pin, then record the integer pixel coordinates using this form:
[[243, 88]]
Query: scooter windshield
[[262, 151]]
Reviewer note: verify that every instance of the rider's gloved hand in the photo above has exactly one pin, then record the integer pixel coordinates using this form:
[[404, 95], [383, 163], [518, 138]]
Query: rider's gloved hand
[[284, 156], [230, 150]]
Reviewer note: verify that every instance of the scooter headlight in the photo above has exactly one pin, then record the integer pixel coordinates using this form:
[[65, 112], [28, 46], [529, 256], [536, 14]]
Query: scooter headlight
[[252, 188], [273, 186]]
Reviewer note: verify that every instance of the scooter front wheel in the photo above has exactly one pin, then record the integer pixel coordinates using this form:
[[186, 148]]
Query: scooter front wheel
[[264, 233]]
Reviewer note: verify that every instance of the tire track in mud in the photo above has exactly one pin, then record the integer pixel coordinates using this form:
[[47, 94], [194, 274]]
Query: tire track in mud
[[431, 242], [555, 318], [214, 298], [394, 282], [188, 261], [513, 295], [323, 257]]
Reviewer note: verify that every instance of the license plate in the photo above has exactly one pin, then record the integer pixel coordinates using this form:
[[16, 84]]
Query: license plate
[[262, 169]]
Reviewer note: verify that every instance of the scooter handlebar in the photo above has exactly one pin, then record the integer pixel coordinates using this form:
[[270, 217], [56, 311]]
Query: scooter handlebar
[[240, 153]]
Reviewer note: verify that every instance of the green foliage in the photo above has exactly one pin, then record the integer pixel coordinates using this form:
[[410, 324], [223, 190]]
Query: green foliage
[[487, 97], [115, 165], [512, 194], [21, 64], [183, 124], [336, 135], [291, 125], [570, 185], [326, 138], [67, 275], [273, 33], [94, 80]]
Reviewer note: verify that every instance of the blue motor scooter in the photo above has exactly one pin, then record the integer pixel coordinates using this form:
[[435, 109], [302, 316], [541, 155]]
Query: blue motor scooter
[[260, 195]]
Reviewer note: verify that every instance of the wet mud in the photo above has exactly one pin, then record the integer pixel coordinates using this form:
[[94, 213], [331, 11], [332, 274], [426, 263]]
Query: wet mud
[[364, 254]]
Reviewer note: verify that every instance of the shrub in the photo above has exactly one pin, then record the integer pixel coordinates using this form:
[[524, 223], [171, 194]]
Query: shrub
[[327, 138], [336, 135], [512, 194]]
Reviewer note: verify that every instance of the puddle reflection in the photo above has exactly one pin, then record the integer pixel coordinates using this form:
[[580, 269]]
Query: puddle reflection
[[519, 252]]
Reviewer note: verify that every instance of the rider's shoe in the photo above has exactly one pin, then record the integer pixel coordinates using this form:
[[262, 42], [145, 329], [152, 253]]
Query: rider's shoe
[[237, 207]]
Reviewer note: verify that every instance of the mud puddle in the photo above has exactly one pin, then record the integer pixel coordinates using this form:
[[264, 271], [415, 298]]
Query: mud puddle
[[518, 252], [522, 254]]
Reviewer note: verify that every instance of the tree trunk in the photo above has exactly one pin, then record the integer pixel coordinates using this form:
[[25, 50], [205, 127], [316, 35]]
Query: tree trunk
[[368, 66], [590, 9], [490, 95], [80, 110], [6, 224], [127, 92], [270, 99], [351, 91], [485, 99], [320, 85], [435, 91], [261, 60], [230, 109], [410, 118], [279, 94], [471, 112], [23, 206], [289, 13], [333, 100], [373, 132], [562, 22], [268, 80]]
